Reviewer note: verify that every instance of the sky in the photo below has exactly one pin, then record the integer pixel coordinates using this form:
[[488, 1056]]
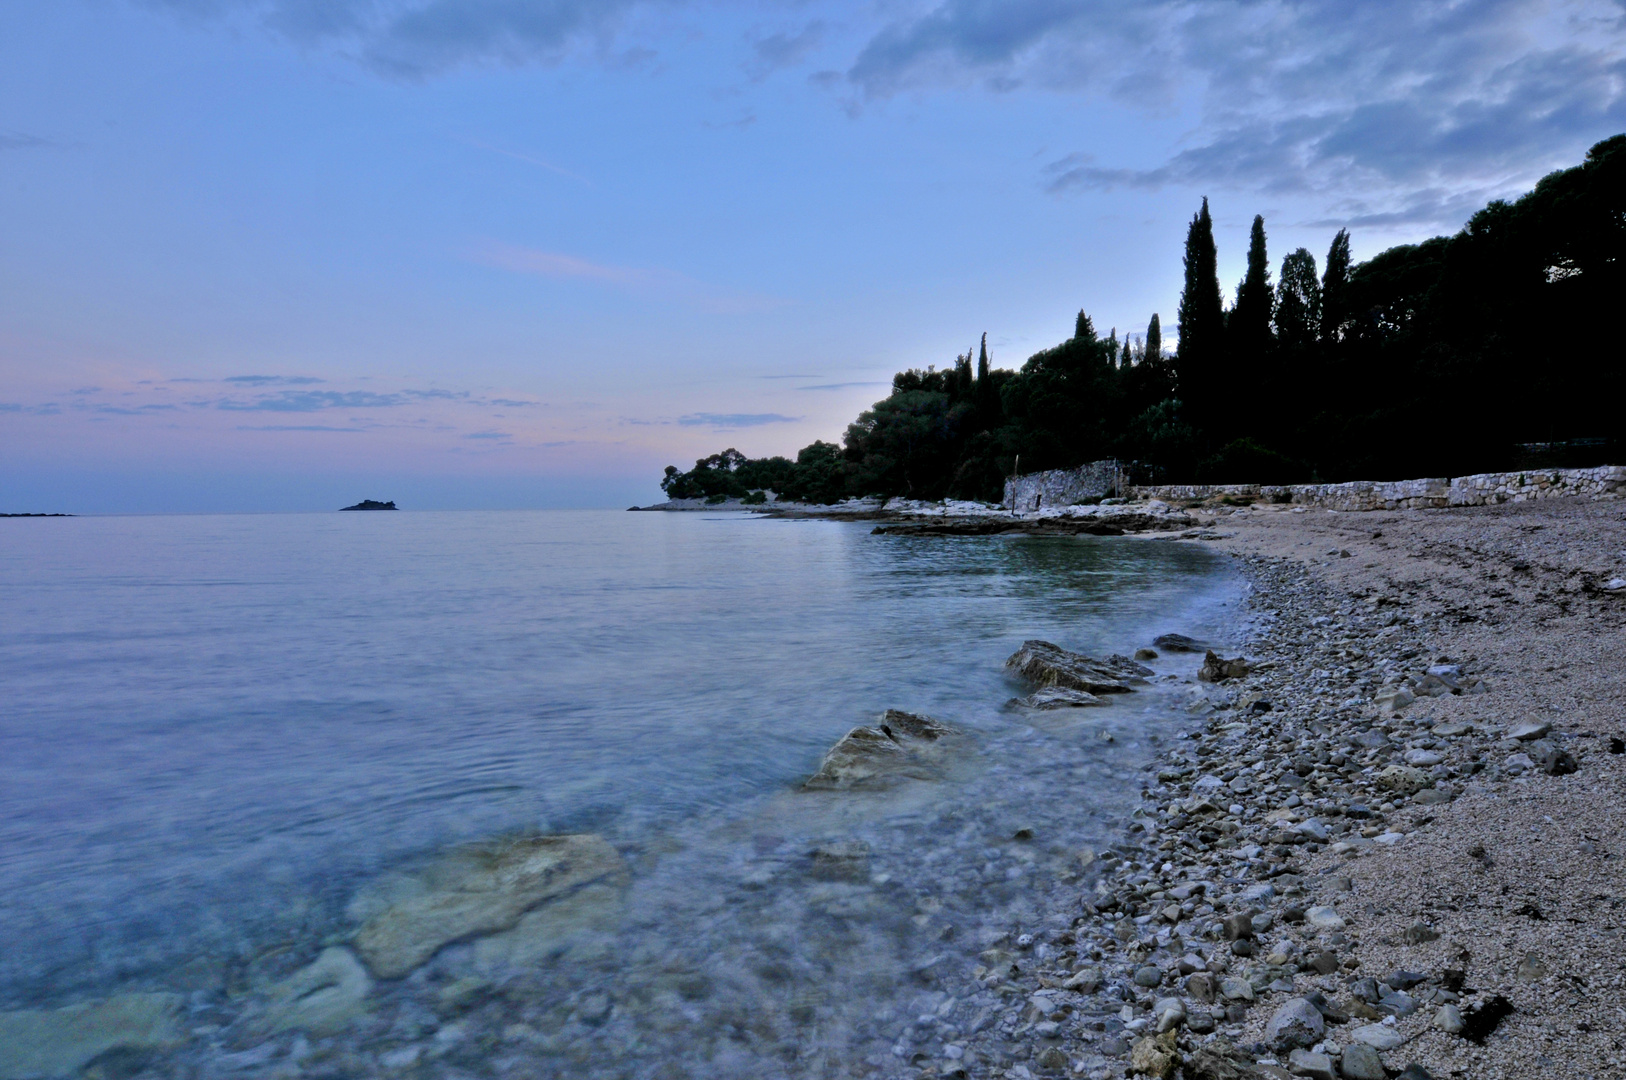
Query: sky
[[288, 254]]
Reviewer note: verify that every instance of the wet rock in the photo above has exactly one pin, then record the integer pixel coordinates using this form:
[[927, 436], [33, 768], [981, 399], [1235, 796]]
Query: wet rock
[[900, 745], [1217, 669], [1157, 1056], [1361, 1062], [1048, 665], [1145, 654], [479, 889], [60, 1042], [1055, 697], [551, 929], [322, 998], [845, 860], [1178, 643], [1296, 1023]]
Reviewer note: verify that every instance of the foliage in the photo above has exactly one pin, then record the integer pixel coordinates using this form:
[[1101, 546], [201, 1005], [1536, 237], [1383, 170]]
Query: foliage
[[1431, 359]]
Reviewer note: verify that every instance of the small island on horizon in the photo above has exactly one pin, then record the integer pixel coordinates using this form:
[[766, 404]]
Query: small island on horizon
[[371, 504]]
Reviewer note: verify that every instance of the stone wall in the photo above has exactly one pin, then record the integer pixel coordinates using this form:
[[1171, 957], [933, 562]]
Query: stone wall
[[1482, 489], [1063, 487]]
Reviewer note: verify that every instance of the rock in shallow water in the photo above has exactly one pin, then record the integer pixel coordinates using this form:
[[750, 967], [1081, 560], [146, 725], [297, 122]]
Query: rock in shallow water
[[1050, 665], [59, 1042], [480, 889], [323, 998], [1055, 697], [900, 745]]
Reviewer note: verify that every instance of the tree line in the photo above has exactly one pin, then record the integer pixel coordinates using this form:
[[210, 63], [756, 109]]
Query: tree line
[[1486, 350]]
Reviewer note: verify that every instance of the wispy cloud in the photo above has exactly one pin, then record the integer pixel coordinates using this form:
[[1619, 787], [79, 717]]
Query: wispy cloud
[[529, 159], [317, 400], [843, 385], [489, 435], [297, 427], [17, 140], [652, 281], [729, 421], [273, 380]]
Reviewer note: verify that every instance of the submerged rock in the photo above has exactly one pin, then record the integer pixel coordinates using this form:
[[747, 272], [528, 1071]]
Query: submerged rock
[[900, 745], [1052, 666], [60, 1042], [323, 998], [1055, 697], [476, 890]]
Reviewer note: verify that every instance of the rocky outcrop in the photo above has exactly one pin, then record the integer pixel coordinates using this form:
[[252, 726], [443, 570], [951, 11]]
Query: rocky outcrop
[[477, 890], [1218, 669], [1050, 665], [60, 1042], [371, 504], [900, 746]]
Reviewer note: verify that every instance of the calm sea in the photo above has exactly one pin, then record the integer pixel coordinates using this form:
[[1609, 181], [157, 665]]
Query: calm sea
[[214, 729]]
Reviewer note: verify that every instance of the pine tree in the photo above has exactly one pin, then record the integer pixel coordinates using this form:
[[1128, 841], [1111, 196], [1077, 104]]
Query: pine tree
[[1154, 338], [1200, 353], [1111, 350], [1335, 289], [1082, 327]]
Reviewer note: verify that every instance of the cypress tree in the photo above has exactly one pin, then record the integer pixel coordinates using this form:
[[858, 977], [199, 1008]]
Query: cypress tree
[[1154, 338], [1111, 351], [987, 398], [1298, 304], [1250, 319], [982, 361], [1082, 326], [1127, 358], [1335, 289], [1200, 353]]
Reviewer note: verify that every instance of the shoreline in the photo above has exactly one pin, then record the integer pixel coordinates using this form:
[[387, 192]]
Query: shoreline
[[1455, 850]]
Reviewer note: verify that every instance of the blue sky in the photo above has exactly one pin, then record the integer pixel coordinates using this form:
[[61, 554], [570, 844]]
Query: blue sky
[[284, 254]]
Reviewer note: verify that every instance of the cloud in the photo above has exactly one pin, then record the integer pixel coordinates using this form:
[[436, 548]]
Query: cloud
[[272, 380], [650, 281], [1382, 100], [416, 39], [16, 140], [783, 49], [50, 408], [729, 421], [317, 400], [843, 385], [489, 435], [296, 427]]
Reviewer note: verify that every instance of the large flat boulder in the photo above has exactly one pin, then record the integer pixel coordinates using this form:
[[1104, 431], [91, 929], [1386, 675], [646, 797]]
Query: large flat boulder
[[900, 745], [473, 891], [60, 1042], [1051, 665]]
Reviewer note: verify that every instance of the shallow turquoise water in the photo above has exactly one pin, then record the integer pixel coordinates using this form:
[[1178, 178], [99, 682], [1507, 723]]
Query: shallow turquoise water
[[215, 727]]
